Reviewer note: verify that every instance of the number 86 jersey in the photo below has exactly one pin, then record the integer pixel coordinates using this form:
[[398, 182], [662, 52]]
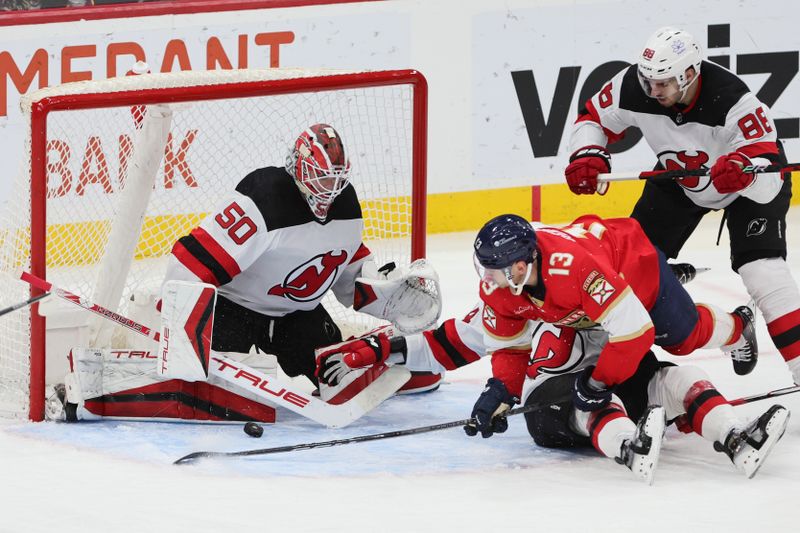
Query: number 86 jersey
[[724, 117]]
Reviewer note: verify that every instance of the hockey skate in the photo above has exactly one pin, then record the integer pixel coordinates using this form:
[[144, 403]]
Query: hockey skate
[[748, 447], [640, 453], [686, 272], [55, 399], [745, 356]]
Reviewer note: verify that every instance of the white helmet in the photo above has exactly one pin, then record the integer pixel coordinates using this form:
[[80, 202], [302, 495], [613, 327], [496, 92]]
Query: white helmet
[[666, 55]]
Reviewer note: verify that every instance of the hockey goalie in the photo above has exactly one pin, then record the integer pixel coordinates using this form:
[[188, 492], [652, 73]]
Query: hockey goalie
[[251, 278]]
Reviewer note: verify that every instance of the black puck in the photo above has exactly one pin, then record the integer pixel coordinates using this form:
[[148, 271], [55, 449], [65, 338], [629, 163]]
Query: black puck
[[253, 429]]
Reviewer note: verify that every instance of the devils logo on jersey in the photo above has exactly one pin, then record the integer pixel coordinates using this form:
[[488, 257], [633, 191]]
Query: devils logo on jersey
[[557, 351], [311, 280], [685, 160]]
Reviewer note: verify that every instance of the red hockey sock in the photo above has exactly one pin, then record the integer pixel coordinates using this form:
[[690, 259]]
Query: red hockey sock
[[700, 334]]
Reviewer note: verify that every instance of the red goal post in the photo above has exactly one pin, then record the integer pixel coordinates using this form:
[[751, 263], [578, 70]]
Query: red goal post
[[108, 197]]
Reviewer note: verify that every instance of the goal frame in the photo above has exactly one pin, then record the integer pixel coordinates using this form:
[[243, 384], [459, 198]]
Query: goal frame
[[40, 110]]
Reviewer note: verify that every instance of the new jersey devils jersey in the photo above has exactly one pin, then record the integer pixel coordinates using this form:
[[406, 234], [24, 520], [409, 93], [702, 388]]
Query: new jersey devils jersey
[[266, 251], [724, 117], [456, 343], [593, 272]]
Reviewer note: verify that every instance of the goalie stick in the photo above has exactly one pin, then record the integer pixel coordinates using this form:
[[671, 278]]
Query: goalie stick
[[340, 442], [26, 303], [682, 173], [190, 458], [268, 388]]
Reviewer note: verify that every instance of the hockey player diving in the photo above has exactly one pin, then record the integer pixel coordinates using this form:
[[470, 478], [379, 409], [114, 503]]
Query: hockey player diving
[[586, 299]]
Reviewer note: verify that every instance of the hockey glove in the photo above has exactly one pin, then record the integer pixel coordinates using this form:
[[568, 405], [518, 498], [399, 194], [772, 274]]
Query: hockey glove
[[584, 167], [586, 395], [727, 175], [334, 364], [489, 413]]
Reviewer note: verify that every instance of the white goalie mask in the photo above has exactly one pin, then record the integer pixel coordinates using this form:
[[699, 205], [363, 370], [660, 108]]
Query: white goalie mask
[[666, 56]]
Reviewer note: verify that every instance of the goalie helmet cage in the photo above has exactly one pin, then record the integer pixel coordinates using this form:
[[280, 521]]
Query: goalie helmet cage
[[117, 170]]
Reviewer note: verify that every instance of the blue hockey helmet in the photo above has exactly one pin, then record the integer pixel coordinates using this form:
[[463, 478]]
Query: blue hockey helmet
[[504, 240]]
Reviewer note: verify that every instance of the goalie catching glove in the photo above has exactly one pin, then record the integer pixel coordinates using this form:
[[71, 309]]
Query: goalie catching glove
[[408, 297], [336, 362]]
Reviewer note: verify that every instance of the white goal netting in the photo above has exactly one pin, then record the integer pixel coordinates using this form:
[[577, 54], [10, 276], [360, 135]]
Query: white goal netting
[[106, 236]]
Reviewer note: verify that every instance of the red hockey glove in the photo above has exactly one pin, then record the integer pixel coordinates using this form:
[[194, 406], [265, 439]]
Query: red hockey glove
[[334, 364], [584, 166], [727, 175]]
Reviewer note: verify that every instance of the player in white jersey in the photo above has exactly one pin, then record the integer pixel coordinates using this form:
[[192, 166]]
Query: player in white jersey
[[696, 114], [629, 429], [274, 248]]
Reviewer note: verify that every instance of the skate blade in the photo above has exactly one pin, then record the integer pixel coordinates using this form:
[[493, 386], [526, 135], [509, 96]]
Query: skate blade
[[754, 459], [644, 466]]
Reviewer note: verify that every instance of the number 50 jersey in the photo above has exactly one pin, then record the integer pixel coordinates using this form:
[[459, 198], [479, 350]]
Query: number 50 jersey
[[266, 251]]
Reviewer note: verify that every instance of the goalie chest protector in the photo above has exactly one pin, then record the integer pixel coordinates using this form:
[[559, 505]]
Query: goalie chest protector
[[267, 252]]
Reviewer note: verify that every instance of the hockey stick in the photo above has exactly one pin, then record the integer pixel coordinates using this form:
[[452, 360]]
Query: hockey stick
[[340, 442], [267, 388], [683, 173], [80, 301], [765, 395], [26, 303], [423, 429]]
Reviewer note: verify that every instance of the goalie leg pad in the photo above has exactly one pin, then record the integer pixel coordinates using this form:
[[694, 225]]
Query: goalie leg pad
[[124, 383]]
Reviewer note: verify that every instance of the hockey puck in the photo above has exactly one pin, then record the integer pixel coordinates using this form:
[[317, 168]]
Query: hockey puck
[[253, 429]]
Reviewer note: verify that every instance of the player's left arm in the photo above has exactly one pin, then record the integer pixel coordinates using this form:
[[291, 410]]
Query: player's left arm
[[608, 300], [753, 140]]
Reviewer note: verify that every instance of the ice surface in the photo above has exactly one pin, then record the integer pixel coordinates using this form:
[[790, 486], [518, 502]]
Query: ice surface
[[118, 476]]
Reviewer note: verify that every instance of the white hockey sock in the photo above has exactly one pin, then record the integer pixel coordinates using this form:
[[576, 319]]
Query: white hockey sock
[[723, 329]]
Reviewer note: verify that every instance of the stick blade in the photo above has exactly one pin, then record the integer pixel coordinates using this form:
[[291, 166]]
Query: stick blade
[[195, 456]]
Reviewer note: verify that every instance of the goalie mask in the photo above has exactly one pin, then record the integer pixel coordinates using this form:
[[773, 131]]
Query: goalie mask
[[502, 242], [320, 167], [663, 63]]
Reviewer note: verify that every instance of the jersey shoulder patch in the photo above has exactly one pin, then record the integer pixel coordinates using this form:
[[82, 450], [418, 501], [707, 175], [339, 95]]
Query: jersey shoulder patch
[[280, 203]]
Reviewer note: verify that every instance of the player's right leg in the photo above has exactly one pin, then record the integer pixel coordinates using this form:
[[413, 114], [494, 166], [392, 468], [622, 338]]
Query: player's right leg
[[758, 254], [555, 423], [683, 326], [690, 399]]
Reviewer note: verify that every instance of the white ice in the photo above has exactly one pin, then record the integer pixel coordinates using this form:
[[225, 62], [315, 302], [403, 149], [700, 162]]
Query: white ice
[[118, 476]]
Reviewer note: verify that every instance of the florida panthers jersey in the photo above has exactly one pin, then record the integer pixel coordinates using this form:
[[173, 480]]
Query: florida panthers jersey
[[594, 272], [266, 251], [724, 117]]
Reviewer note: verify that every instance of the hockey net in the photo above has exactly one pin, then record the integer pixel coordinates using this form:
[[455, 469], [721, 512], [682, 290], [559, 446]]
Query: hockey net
[[117, 170]]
